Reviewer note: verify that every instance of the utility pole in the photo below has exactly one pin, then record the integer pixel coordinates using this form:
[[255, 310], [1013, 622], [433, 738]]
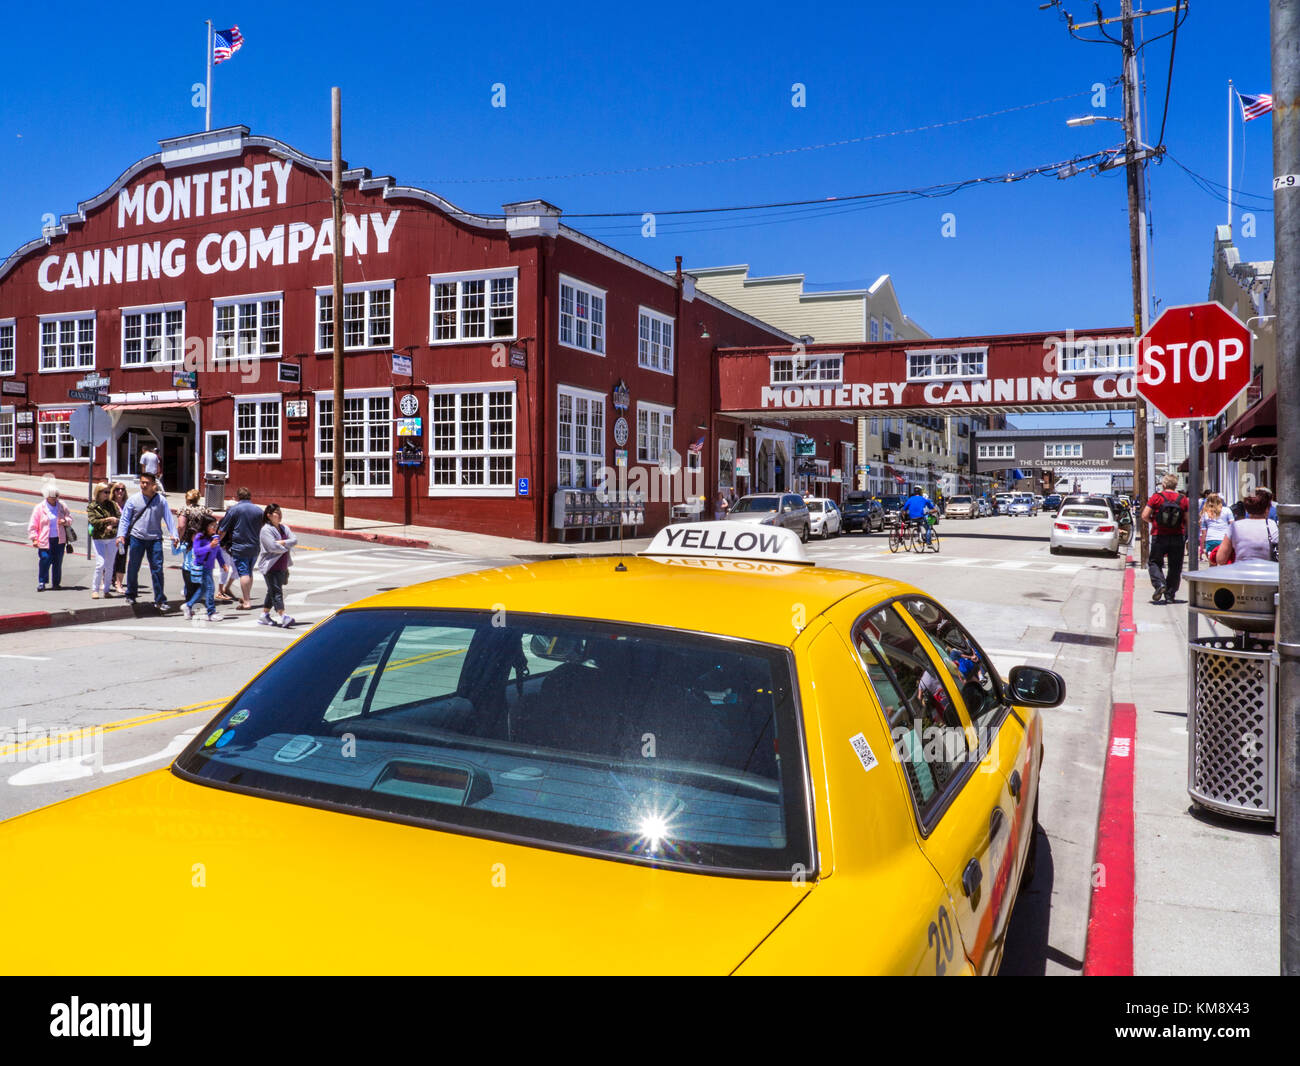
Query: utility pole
[[337, 183], [1285, 19], [1137, 233], [1135, 156]]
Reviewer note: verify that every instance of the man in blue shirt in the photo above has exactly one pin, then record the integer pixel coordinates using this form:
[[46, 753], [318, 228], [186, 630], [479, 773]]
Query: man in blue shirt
[[143, 520], [916, 508]]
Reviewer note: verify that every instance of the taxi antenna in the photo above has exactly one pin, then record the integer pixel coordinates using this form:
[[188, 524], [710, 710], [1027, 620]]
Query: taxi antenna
[[621, 515]]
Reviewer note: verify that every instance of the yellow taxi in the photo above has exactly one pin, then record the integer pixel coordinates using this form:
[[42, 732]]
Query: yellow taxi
[[713, 757]]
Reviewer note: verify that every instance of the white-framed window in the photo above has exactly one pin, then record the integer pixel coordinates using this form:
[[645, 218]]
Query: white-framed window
[[367, 316], [257, 427], [367, 442], [888, 330], [582, 316], [1123, 449], [654, 431], [997, 451], [875, 328], [1092, 355], [67, 342], [947, 363], [248, 326], [875, 425], [580, 430], [654, 341], [471, 439], [1062, 451], [8, 331], [57, 444], [806, 369], [153, 334], [473, 306], [8, 447]]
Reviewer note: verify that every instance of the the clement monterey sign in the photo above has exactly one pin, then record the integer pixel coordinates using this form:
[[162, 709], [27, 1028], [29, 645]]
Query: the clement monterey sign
[[1021, 371]]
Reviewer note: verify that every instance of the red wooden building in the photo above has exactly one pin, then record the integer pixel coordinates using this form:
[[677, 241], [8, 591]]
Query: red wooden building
[[490, 361]]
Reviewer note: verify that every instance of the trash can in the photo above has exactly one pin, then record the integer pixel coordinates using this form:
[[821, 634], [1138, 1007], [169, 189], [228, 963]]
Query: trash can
[[1232, 707], [214, 490]]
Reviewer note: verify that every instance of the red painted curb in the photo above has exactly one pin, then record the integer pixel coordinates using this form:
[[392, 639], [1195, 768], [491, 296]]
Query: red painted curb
[[19, 623], [1110, 920], [1127, 627]]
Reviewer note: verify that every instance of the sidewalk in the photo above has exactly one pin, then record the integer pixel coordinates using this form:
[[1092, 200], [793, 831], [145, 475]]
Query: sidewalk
[[1203, 889], [25, 608]]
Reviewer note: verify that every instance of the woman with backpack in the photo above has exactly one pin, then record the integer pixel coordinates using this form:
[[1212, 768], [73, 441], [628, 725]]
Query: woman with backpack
[[274, 563], [1167, 513], [1254, 537]]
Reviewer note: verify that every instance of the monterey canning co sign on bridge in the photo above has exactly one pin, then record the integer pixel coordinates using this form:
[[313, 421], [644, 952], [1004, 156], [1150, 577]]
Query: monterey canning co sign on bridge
[[1026, 371]]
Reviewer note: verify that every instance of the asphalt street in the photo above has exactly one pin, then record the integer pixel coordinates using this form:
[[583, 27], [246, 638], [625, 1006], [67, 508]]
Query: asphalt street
[[127, 696]]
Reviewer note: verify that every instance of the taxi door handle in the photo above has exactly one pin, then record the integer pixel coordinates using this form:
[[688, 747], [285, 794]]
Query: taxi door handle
[[995, 822], [972, 877], [1014, 784]]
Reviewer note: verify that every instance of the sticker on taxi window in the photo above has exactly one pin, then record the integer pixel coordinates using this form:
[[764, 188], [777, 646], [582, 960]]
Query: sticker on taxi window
[[864, 752]]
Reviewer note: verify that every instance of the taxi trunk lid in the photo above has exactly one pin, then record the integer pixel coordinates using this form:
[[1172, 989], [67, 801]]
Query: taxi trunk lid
[[160, 875]]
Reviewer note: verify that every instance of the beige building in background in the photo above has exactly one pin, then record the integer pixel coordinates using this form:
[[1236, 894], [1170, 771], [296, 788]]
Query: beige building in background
[[928, 450]]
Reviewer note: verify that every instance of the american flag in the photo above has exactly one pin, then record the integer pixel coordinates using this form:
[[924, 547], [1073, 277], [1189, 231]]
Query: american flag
[[1254, 106], [225, 43], [698, 446]]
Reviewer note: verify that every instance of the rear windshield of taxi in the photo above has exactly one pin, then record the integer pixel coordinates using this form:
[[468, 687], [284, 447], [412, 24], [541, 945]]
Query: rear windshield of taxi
[[1075, 511], [648, 745]]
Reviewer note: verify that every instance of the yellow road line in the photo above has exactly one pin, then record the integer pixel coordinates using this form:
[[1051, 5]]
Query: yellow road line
[[75, 735]]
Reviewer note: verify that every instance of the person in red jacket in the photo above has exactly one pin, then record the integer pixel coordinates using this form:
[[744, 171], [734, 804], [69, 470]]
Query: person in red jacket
[[1167, 513]]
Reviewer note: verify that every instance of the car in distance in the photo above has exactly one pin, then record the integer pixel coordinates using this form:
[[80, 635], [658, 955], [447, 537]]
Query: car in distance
[[1085, 527], [892, 507], [1052, 502], [1020, 504], [985, 507], [1002, 502], [961, 507], [515, 767], [824, 517], [784, 509], [861, 512]]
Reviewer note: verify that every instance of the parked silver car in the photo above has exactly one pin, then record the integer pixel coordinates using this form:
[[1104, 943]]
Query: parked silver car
[[773, 509]]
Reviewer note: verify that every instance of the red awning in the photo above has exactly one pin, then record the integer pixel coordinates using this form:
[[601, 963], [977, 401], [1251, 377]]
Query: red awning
[[1252, 448], [1258, 421], [150, 406]]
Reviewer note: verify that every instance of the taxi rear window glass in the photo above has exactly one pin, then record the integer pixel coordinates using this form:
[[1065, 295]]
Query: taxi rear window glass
[[1084, 512], [665, 747], [755, 504]]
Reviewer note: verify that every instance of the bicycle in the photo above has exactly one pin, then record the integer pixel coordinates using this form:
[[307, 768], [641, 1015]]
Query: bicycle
[[917, 542], [901, 537]]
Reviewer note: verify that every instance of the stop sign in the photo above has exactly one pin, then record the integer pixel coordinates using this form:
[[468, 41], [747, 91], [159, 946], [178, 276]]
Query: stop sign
[[1194, 361]]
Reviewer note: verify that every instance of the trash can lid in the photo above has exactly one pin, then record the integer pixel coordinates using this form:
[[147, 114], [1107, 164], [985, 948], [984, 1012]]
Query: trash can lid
[[1247, 572]]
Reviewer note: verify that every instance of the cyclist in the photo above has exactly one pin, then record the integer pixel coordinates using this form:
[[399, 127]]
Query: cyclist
[[915, 510]]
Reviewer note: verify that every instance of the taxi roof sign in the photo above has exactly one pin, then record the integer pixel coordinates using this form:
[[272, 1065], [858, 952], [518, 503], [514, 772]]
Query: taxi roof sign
[[730, 540]]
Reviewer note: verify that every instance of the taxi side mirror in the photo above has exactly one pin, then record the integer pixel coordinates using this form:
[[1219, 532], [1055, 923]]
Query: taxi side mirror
[[1032, 686]]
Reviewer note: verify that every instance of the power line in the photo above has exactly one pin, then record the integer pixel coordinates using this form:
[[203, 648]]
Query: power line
[[757, 155]]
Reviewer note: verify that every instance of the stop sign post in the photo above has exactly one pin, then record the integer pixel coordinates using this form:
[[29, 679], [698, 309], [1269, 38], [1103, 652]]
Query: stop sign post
[[1194, 361]]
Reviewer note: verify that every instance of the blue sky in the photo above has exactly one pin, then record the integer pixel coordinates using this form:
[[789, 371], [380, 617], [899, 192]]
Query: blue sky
[[644, 90]]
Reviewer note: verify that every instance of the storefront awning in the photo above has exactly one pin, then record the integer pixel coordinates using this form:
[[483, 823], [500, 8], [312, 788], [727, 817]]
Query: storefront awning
[[1258, 421], [1242, 451], [150, 406]]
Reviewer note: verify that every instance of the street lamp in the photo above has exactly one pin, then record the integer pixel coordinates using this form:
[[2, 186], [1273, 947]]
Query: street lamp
[[1088, 120]]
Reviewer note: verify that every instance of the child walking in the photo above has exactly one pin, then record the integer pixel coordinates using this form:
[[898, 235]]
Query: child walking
[[274, 562], [201, 558]]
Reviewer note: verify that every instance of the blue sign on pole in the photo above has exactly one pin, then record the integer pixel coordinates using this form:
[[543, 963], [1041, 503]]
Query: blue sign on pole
[[523, 486]]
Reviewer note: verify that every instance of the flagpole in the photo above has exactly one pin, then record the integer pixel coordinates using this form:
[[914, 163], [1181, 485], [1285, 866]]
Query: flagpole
[[207, 98], [1230, 132]]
